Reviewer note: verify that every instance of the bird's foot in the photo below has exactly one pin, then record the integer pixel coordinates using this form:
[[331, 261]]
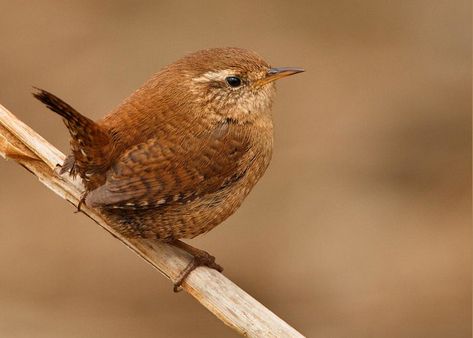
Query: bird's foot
[[57, 169], [81, 201], [200, 258]]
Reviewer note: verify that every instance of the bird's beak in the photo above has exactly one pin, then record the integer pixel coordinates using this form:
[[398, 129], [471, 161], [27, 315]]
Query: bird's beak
[[278, 73]]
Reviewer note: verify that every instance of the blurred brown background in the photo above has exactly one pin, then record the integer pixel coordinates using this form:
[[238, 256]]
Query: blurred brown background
[[360, 228]]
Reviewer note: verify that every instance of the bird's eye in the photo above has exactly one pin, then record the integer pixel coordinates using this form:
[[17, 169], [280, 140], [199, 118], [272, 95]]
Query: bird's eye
[[233, 81]]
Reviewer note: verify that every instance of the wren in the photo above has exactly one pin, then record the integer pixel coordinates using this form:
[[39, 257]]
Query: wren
[[179, 155]]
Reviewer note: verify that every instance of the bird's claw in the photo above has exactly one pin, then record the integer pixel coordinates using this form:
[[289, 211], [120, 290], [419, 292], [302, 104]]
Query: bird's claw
[[81, 202], [202, 258]]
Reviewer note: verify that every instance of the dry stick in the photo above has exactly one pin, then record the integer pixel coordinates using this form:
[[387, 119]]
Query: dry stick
[[213, 290]]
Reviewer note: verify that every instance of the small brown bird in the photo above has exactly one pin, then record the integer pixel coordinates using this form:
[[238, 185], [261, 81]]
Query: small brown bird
[[179, 155]]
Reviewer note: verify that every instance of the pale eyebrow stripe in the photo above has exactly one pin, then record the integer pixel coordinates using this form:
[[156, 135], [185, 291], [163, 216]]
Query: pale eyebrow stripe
[[214, 75]]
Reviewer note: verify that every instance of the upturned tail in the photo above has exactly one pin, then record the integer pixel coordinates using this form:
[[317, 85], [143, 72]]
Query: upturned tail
[[90, 143]]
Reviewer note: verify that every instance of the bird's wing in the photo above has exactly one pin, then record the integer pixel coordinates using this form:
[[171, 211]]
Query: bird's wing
[[157, 173]]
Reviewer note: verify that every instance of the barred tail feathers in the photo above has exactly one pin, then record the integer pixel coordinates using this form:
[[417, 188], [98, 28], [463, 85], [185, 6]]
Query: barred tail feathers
[[90, 144]]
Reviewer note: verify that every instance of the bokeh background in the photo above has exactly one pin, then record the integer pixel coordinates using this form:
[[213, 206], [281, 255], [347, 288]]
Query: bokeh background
[[360, 228]]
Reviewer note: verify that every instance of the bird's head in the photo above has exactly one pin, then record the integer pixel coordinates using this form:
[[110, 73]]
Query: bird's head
[[230, 83]]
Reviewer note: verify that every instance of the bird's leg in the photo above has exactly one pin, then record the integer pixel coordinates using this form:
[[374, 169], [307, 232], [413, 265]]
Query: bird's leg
[[69, 167], [200, 258], [81, 201]]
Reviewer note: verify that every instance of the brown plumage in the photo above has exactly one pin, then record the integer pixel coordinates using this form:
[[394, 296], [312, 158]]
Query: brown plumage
[[179, 155]]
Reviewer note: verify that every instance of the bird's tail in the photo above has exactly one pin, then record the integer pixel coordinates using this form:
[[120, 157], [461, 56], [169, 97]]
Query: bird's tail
[[90, 143]]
